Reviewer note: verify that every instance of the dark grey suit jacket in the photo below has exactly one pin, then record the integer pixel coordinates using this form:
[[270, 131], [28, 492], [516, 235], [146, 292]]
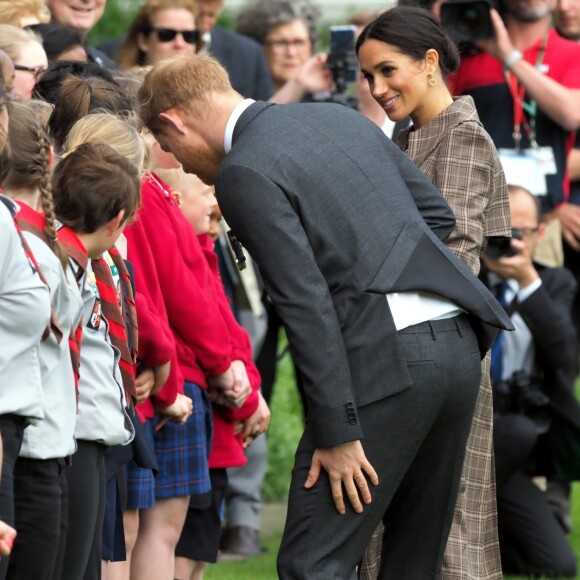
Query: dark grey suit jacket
[[336, 216]]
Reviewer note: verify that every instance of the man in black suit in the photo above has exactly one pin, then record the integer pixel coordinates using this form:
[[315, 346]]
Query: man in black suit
[[386, 326], [537, 418]]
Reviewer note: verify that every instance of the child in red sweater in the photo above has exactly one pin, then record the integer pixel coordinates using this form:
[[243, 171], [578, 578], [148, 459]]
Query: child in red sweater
[[204, 359], [199, 542]]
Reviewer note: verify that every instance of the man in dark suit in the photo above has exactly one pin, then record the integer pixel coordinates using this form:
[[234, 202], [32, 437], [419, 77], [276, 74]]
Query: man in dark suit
[[537, 418], [386, 326]]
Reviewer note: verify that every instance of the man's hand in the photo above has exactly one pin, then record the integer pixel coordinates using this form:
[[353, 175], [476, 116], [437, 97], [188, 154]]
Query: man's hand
[[346, 465], [519, 267], [178, 412], [499, 45], [569, 216], [144, 384], [7, 535], [256, 424], [162, 373]]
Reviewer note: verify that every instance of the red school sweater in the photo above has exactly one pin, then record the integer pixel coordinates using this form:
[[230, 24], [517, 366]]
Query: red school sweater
[[183, 282], [227, 449]]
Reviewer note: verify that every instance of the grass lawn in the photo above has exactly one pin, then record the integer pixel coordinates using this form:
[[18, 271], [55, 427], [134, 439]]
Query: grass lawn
[[284, 432]]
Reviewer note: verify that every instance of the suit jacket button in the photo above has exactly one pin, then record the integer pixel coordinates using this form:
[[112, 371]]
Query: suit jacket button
[[352, 421]]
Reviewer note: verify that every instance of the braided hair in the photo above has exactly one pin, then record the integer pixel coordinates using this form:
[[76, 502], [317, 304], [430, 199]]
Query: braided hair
[[30, 167]]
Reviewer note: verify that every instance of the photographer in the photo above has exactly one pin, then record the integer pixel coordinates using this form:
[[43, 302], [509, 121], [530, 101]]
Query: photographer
[[532, 372]]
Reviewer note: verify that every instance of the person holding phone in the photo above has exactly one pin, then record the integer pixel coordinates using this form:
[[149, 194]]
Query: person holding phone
[[405, 55]]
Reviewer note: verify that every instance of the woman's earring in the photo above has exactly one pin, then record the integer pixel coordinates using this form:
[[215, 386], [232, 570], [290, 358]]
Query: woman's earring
[[432, 81]]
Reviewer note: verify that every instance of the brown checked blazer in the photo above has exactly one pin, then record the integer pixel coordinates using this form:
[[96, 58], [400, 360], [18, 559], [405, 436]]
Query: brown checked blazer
[[460, 159]]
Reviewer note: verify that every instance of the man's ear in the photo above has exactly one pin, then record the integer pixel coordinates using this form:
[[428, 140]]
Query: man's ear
[[113, 225], [172, 117]]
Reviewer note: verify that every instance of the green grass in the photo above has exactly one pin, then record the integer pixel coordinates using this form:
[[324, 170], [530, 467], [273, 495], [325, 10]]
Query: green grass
[[285, 430]]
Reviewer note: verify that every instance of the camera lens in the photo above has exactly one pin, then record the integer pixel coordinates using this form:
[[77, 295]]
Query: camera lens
[[467, 20]]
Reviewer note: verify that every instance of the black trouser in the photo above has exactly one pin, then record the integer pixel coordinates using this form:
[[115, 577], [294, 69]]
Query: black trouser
[[86, 494], [37, 502], [532, 541], [12, 430], [416, 442]]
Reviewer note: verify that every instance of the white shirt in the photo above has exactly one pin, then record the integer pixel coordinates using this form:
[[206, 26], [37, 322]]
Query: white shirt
[[24, 315], [234, 117], [101, 410], [407, 308], [54, 437]]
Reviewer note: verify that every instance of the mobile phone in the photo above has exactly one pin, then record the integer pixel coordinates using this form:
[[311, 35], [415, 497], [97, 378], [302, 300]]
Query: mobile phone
[[342, 57]]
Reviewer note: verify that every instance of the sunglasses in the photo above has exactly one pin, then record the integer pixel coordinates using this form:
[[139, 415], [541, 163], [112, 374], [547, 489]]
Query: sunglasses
[[169, 34], [37, 71]]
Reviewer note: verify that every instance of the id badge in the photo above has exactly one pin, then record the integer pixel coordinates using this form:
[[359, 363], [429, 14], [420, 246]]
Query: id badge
[[523, 169], [545, 158]]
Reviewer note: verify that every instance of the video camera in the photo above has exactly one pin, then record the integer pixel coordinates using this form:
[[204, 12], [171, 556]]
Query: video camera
[[468, 20]]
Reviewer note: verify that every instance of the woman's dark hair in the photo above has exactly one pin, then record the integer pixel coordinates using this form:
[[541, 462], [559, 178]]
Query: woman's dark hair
[[48, 86], [57, 39], [413, 31], [79, 97], [92, 185]]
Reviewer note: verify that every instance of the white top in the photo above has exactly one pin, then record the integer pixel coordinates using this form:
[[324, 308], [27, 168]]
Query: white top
[[24, 315], [102, 415], [54, 437]]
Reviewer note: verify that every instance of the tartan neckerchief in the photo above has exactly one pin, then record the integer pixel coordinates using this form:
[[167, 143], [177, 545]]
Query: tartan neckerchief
[[115, 315]]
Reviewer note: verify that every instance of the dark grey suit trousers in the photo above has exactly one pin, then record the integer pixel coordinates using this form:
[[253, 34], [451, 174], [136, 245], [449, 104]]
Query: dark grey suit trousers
[[416, 442]]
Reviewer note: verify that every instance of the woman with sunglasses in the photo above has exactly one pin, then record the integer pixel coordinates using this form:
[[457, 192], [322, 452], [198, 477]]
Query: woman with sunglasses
[[160, 29], [26, 51]]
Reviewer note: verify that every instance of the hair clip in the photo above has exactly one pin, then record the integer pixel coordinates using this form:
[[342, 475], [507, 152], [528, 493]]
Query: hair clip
[[238, 251]]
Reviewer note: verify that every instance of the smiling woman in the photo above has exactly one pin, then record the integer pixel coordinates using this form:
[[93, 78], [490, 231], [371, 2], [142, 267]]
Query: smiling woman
[[160, 29]]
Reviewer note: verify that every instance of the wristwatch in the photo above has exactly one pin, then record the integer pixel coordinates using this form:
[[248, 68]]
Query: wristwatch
[[513, 57]]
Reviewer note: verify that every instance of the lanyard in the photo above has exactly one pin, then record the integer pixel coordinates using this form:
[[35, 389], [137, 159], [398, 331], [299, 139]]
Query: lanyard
[[518, 93]]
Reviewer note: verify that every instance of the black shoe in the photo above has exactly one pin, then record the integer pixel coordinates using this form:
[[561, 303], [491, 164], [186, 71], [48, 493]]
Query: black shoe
[[239, 542]]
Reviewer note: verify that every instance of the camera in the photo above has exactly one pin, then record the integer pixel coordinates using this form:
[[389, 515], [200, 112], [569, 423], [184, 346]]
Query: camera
[[502, 247], [468, 20], [521, 395]]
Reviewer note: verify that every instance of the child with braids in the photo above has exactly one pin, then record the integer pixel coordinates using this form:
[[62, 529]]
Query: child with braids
[[25, 304], [47, 445]]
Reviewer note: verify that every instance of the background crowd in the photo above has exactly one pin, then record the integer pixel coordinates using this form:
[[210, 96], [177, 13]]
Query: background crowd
[[142, 359]]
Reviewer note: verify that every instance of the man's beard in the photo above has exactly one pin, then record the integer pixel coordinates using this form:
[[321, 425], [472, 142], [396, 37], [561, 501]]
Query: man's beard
[[202, 162]]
